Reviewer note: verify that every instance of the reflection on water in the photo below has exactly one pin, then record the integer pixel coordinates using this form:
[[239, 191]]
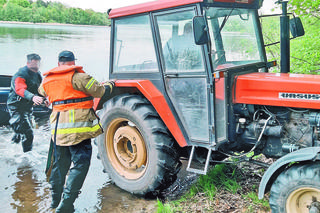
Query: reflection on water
[[28, 192], [89, 43], [115, 200], [30, 32], [24, 187], [23, 183]]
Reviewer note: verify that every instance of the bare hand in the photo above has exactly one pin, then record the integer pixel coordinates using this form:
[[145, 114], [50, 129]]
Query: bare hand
[[37, 100]]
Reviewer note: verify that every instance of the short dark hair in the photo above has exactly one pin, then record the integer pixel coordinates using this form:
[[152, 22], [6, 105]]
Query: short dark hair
[[66, 56], [33, 56]]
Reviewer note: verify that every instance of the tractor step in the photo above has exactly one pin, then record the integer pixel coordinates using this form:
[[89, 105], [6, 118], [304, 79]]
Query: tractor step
[[206, 165]]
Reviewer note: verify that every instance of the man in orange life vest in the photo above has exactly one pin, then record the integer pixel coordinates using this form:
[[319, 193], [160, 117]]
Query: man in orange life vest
[[73, 124]]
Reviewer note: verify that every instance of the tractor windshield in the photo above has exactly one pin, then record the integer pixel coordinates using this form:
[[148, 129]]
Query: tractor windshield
[[234, 36]]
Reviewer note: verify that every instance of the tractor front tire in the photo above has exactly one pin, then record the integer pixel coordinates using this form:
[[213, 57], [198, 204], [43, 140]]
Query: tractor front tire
[[136, 149], [297, 190]]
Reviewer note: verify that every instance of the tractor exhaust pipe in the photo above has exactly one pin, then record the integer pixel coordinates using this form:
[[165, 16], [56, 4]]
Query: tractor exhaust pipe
[[284, 39]]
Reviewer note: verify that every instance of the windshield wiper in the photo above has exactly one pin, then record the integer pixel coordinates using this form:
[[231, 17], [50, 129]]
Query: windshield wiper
[[225, 20]]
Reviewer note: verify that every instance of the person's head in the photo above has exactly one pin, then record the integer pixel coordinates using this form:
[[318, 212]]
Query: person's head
[[33, 62], [187, 30], [66, 58]]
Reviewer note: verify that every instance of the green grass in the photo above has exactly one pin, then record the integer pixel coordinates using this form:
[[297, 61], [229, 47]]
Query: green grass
[[164, 208], [221, 177], [255, 200]]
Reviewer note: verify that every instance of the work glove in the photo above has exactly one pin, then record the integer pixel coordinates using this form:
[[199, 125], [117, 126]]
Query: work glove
[[111, 84]]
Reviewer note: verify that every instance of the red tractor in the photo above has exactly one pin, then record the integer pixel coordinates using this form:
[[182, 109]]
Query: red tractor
[[192, 81]]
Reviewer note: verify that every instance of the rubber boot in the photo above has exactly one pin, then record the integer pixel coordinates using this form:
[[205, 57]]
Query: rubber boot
[[56, 198], [66, 205], [27, 141], [16, 138]]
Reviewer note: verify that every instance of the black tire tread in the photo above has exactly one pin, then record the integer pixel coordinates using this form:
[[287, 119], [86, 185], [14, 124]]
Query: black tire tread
[[295, 175], [169, 158]]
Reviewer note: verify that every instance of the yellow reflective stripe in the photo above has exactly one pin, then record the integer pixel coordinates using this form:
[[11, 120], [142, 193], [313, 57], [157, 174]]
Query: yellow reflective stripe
[[76, 130], [90, 83], [75, 125], [71, 116]]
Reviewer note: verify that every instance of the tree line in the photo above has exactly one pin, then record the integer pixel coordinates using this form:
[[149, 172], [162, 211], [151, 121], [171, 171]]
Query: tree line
[[304, 51], [49, 12]]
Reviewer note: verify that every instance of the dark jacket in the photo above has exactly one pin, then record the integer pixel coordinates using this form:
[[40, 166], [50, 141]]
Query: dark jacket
[[24, 85]]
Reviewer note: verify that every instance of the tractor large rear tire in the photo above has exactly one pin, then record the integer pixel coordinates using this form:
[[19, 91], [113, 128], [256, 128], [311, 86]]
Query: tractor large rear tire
[[136, 149], [296, 188]]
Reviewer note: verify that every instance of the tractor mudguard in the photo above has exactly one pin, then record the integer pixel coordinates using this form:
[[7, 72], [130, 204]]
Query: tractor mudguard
[[306, 154], [158, 101]]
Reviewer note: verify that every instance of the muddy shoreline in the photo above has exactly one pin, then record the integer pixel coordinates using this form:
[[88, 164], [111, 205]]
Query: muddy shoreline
[[24, 187]]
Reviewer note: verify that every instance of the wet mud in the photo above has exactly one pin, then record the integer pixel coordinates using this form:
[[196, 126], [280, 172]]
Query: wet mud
[[24, 187]]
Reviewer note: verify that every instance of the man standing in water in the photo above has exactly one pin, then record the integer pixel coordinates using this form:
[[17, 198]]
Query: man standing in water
[[73, 124], [23, 94]]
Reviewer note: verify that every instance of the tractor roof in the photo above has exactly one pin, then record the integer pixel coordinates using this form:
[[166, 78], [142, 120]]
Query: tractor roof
[[164, 4]]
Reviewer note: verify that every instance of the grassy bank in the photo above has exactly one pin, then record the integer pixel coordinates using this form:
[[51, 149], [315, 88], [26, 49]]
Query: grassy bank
[[226, 188]]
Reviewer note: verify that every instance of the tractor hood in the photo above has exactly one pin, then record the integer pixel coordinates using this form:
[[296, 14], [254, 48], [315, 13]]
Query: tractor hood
[[278, 89]]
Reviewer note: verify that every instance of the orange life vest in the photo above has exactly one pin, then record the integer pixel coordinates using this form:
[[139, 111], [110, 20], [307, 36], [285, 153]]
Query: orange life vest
[[58, 86]]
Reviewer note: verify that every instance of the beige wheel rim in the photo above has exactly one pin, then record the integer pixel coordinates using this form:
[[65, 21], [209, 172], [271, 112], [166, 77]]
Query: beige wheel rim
[[126, 149], [299, 200]]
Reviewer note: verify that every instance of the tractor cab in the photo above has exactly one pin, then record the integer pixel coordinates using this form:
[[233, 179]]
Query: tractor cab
[[191, 81], [159, 39]]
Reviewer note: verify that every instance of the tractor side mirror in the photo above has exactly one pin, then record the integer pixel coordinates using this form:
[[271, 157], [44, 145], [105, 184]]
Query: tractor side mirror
[[200, 30], [296, 27]]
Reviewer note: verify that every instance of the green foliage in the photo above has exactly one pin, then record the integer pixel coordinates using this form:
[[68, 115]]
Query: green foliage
[[304, 51], [309, 7], [22, 3], [305, 55], [49, 12], [2, 2]]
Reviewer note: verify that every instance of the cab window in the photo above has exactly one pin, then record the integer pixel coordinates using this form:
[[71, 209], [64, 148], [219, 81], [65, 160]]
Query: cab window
[[179, 50], [133, 46]]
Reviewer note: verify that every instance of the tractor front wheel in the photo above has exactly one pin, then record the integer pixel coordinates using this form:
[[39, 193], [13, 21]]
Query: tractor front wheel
[[136, 148], [297, 190]]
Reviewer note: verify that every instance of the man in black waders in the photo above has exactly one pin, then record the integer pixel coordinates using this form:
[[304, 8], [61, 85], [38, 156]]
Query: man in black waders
[[73, 124], [23, 94]]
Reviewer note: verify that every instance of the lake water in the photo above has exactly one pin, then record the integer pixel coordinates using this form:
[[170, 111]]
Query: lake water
[[90, 45], [23, 184], [24, 187]]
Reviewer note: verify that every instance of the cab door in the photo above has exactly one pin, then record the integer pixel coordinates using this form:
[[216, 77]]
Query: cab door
[[186, 80]]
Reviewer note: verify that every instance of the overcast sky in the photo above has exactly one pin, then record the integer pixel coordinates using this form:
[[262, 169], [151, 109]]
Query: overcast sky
[[104, 5]]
